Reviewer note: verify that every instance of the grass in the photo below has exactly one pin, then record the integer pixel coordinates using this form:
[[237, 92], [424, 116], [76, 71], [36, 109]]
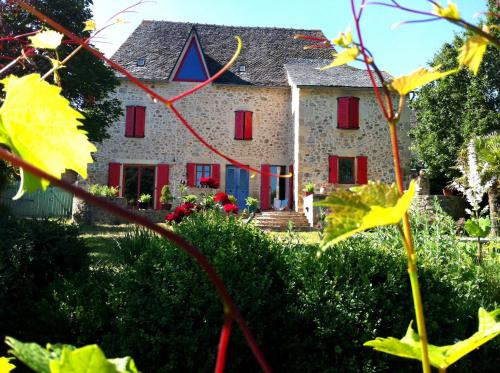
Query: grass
[[101, 239]]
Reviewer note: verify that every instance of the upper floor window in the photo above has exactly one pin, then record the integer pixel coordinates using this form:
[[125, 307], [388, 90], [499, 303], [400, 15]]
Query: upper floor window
[[348, 112], [243, 125], [135, 121]]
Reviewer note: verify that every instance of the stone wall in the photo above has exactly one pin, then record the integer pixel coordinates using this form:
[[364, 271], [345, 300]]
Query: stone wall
[[211, 112], [317, 137]]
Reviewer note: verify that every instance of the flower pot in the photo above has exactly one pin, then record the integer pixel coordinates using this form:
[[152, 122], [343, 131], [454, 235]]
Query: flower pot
[[143, 205], [309, 193], [166, 205]]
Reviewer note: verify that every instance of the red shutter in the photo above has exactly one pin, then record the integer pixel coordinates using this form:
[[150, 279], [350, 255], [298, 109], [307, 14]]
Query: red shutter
[[114, 172], [362, 174], [129, 121], [239, 125], [191, 175], [162, 175], [140, 121], [216, 172], [265, 184], [353, 112], [290, 187], [248, 125], [333, 165], [343, 112]]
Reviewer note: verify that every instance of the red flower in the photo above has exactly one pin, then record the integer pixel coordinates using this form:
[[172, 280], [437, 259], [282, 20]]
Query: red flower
[[209, 182], [170, 217], [222, 198], [229, 207]]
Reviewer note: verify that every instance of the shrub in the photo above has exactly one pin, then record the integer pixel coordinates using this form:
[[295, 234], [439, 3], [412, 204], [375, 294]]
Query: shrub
[[308, 313], [34, 255], [103, 190]]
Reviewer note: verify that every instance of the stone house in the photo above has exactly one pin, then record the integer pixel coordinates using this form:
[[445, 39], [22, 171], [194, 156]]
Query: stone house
[[273, 110]]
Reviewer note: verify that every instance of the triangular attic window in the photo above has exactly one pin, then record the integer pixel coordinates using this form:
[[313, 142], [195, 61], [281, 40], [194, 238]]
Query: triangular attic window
[[192, 66]]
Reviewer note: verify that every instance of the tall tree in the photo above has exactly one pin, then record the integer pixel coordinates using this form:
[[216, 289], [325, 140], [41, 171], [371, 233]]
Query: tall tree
[[86, 81], [452, 110]]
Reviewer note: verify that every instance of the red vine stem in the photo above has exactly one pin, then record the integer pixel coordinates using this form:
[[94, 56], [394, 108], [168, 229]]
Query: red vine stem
[[223, 343], [142, 86], [387, 114], [143, 221]]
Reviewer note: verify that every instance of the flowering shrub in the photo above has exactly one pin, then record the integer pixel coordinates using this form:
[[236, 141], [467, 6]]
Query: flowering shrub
[[217, 202], [209, 182]]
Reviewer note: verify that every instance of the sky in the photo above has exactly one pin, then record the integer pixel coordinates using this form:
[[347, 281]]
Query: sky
[[398, 51]]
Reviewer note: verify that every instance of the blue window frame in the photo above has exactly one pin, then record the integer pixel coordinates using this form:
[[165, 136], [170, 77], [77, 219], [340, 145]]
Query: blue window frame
[[202, 170]]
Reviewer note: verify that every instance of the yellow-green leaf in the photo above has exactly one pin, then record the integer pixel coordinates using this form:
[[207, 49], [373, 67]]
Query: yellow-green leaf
[[451, 11], [5, 365], [346, 56], [40, 126], [344, 39], [407, 83], [362, 208], [472, 52], [440, 356], [90, 25], [46, 39]]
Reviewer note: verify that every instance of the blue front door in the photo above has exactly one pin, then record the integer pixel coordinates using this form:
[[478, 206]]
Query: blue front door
[[237, 184]]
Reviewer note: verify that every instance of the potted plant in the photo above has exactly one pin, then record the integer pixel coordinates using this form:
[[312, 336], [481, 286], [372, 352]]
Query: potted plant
[[309, 188], [144, 200], [252, 204], [166, 198]]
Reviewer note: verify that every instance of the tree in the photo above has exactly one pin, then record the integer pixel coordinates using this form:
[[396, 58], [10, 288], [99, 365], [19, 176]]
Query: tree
[[86, 81], [452, 110]]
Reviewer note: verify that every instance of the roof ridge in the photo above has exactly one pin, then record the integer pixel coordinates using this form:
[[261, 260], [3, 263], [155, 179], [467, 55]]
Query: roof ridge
[[148, 21]]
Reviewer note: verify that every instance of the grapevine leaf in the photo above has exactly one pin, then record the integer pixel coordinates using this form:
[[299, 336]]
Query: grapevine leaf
[[451, 11], [39, 125], [346, 56], [5, 365], [90, 359], [31, 354], [440, 356], [407, 83], [90, 25], [344, 39], [46, 39], [472, 52], [362, 208]]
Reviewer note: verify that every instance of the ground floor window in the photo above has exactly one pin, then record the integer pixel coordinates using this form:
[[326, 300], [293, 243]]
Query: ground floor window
[[202, 170], [346, 170], [138, 180]]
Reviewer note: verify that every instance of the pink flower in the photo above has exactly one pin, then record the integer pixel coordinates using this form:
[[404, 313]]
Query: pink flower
[[231, 208]]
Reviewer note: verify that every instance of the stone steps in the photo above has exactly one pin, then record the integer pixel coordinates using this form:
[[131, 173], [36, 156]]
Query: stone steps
[[279, 221]]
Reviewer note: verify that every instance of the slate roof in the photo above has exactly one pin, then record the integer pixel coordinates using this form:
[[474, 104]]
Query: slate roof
[[306, 72], [265, 51]]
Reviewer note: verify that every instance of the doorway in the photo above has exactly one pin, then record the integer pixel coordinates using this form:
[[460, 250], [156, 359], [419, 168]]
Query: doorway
[[237, 184], [279, 188]]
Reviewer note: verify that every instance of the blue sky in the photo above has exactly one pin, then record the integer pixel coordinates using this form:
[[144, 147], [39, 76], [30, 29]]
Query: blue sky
[[397, 51]]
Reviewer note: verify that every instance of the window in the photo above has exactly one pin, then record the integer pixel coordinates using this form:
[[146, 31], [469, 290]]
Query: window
[[135, 121], [197, 171], [243, 125], [348, 112], [134, 180], [202, 170], [141, 62], [242, 69], [138, 180], [348, 170]]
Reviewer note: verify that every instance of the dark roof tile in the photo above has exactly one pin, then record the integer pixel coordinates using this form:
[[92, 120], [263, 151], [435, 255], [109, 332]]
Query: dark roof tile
[[265, 51]]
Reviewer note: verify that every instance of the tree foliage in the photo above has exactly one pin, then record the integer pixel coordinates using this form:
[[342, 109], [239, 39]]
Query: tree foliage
[[86, 81], [450, 111]]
